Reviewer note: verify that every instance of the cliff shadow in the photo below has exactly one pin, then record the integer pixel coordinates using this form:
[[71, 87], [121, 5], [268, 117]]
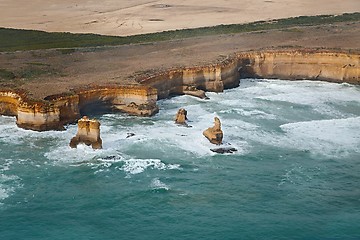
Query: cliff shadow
[[96, 108]]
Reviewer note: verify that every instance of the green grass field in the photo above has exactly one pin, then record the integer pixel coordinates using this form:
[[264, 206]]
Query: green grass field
[[16, 39]]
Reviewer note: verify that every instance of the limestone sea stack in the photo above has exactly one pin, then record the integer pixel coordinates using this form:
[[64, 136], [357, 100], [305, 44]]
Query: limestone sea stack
[[214, 134], [88, 133], [181, 116]]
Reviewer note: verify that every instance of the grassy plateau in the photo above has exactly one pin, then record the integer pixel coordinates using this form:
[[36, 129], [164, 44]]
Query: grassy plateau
[[22, 40]]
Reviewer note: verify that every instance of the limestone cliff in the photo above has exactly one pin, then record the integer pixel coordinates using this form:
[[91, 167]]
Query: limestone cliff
[[57, 110], [9, 102], [181, 116], [214, 134], [88, 133], [195, 80], [285, 64], [297, 65]]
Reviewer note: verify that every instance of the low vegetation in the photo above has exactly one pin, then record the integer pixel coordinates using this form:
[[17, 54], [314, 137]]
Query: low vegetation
[[16, 39], [28, 72]]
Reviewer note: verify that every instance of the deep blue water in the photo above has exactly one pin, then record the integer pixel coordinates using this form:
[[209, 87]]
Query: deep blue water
[[296, 174]]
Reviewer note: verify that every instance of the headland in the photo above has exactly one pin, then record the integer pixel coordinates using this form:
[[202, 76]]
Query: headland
[[48, 88]]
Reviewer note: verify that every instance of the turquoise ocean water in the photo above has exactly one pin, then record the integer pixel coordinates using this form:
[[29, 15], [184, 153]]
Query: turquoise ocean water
[[296, 174]]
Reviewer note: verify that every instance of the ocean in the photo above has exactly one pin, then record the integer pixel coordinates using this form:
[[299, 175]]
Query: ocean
[[295, 174]]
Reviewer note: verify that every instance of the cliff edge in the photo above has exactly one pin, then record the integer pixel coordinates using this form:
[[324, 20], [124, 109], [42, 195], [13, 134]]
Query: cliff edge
[[56, 110]]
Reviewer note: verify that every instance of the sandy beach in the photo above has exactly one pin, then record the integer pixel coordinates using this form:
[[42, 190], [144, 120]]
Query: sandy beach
[[112, 17]]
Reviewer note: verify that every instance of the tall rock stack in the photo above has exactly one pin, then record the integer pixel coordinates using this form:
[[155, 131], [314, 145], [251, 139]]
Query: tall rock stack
[[181, 116], [88, 133], [214, 134]]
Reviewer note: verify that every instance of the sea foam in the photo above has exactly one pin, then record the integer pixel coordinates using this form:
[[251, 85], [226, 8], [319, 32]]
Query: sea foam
[[156, 184], [325, 136]]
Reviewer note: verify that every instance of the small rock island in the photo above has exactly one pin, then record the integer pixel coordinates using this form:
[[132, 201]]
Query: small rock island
[[181, 116], [214, 134], [88, 133]]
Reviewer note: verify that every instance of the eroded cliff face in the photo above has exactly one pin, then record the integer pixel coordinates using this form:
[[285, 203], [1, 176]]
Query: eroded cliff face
[[296, 65], [9, 102], [88, 133], [214, 134], [213, 78], [136, 100], [57, 110], [292, 65]]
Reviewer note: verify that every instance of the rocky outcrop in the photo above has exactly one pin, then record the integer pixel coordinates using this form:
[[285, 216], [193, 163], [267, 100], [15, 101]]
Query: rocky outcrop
[[144, 109], [181, 116], [9, 102], [223, 150], [88, 133], [195, 80], [135, 99], [214, 134], [193, 91], [55, 111], [282, 64], [297, 65]]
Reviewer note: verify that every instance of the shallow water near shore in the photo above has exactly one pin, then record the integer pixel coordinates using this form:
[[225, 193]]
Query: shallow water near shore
[[295, 174]]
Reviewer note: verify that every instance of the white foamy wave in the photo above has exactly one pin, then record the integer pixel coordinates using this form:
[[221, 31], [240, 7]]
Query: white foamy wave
[[319, 95], [8, 130], [325, 136], [128, 165], [3, 193], [64, 154], [313, 97], [156, 184], [296, 175], [8, 185], [11, 133], [136, 166], [169, 134], [250, 113]]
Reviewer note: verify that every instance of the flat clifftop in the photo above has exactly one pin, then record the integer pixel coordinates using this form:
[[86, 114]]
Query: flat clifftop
[[57, 86], [47, 72], [56, 110]]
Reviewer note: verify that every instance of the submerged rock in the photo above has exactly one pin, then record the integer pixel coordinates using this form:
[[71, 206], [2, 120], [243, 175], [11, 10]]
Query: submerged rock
[[214, 134], [88, 133], [224, 150], [128, 135]]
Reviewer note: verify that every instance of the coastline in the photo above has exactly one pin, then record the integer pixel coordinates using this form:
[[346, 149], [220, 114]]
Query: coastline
[[287, 166], [56, 110], [48, 88]]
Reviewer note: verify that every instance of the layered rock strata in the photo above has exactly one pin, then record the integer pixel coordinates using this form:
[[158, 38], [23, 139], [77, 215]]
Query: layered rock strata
[[195, 80], [88, 133], [285, 64], [181, 116], [298, 65], [57, 110], [214, 134]]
